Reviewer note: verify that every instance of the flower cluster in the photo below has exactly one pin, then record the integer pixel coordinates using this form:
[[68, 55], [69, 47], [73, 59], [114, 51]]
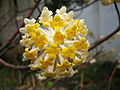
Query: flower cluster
[[54, 45], [109, 2]]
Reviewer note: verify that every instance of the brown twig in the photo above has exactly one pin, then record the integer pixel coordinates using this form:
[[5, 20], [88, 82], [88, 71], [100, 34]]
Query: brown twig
[[9, 41], [111, 77], [81, 8], [112, 74], [2, 62], [7, 23], [115, 68], [81, 79], [87, 5], [100, 41], [24, 10], [118, 13], [14, 16]]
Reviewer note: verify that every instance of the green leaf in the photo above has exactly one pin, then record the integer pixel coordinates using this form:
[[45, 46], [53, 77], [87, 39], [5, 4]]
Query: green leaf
[[49, 84]]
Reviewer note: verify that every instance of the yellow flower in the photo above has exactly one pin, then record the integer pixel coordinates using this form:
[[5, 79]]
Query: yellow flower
[[40, 41], [53, 50], [66, 17], [30, 54], [46, 17], [31, 28], [36, 25], [61, 11], [26, 41], [37, 33], [81, 27], [69, 18], [46, 24], [29, 21], [71, 32], [78, 61], [57, 23], [82, 44], [68, 52], [59, 37], [66, 64], [49, 74], [107, 2], [45, 63]]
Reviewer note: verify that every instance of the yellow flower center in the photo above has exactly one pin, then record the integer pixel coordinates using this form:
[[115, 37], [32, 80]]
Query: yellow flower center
[[30, 54], [59, 37], [53, 50], [71, 32], [45, 63], [68, 52], [57, 23], [81, 45], [66, 64]]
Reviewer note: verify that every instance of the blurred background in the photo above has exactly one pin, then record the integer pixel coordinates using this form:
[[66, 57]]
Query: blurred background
[[101, 21]]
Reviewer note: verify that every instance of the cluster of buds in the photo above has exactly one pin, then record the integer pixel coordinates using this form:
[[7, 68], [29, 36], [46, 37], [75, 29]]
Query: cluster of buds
[[55, 44], [109, 2]]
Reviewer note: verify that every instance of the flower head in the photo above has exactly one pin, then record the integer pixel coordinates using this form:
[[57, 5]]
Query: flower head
[[55, 44], [109, 2]]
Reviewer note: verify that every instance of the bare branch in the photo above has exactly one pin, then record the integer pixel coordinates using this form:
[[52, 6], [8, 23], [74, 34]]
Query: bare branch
[[100, 41], [112, 74], [81, 8], [21, 11], [117, 10], [115, 68], [9, 41], [7, 23], [2, 62]]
